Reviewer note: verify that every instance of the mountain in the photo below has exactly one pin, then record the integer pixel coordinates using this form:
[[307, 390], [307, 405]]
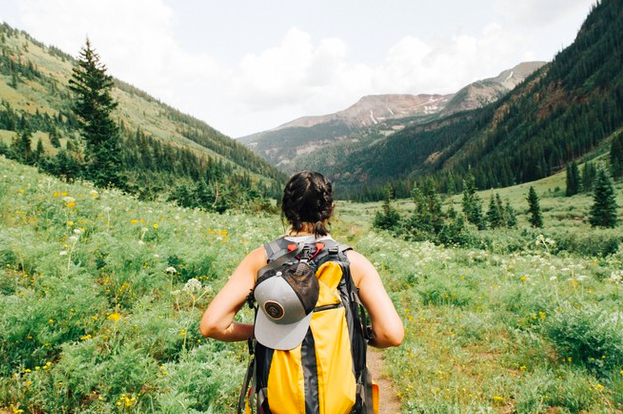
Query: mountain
[[291, 146], [374, 109], [566, 109], [163, 150], [486, 91]]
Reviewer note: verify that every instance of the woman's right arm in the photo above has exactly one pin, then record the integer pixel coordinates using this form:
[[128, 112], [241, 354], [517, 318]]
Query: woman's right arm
[[218, 320], [387, 328]]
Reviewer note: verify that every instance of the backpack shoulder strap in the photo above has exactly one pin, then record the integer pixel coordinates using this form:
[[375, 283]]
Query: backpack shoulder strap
[[335, 248], [276, 248], [279, 253]]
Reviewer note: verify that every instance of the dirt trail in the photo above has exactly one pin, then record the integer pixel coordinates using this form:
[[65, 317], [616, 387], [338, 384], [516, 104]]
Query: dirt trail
[[389, 404]]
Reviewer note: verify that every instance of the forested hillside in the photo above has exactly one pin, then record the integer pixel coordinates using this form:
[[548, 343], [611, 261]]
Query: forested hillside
[[164, 153], [319, 142], [561, 112]]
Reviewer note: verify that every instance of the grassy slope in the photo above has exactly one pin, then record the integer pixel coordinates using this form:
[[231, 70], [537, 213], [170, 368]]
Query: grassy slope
[[499, 332], [85, 294], [135, 110], [92, 318]]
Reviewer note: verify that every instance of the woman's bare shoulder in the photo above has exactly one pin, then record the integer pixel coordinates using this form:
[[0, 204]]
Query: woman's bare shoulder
[[360, 266]]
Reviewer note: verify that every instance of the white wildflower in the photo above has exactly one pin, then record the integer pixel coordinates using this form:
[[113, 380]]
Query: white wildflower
[[193, 285], [63, 253], [107, 209], [170, 269], [73, 238], [553, 278], [77, 231]]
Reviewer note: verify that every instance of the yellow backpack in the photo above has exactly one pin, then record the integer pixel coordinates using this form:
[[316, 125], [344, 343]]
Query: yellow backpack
[[326, 373]]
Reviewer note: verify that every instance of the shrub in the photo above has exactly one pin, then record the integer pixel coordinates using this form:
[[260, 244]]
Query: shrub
[[589, 337], [441, 292], [567, 388]]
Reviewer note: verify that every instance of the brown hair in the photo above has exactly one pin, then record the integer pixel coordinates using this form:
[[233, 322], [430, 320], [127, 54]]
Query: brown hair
[[308, 198]]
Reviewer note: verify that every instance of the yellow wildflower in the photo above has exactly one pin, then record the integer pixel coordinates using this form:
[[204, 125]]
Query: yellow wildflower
[[114, 316]]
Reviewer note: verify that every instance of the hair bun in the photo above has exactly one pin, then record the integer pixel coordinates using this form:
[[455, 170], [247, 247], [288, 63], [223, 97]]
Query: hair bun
[[308, 198]]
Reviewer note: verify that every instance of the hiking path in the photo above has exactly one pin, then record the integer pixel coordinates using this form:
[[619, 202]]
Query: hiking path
[[389, 402]]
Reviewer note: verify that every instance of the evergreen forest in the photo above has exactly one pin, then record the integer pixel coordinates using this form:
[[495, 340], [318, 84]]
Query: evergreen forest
[[155, 151]]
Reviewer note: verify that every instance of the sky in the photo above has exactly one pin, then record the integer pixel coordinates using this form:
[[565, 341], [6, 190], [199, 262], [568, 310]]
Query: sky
[[246, 66]]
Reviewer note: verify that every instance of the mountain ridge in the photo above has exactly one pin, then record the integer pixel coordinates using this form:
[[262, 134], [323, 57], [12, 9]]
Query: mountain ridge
[[291, 146], [561, 112]]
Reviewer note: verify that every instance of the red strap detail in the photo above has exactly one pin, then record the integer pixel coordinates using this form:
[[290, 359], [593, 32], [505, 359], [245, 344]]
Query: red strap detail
[[291, 247], [319, 247]]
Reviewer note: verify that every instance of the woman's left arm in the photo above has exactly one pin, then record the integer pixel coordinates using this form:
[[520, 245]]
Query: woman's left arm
[[218, 320]]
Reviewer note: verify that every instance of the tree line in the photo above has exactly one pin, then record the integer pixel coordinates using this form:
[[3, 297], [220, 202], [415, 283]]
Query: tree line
[[86, 142], [428, 220]]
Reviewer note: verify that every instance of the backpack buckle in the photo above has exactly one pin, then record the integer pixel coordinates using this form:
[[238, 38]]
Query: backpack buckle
[[305, 254]]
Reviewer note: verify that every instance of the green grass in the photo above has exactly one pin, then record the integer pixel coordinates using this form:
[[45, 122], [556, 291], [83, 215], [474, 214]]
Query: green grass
[[96, 321]]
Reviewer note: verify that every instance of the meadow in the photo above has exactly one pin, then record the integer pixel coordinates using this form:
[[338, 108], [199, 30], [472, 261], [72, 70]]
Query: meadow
[[101, 295]]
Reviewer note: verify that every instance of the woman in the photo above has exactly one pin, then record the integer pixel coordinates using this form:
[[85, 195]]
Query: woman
[[308, 206], [320, 334]]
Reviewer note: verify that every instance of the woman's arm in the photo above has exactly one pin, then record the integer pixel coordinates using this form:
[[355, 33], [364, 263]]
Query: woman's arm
[[387, 328], [218, 320]]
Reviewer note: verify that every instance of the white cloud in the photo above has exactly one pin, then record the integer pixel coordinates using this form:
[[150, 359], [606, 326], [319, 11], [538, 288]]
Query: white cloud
[[300, 77], [135, 40], [446, 63], [302, 74]]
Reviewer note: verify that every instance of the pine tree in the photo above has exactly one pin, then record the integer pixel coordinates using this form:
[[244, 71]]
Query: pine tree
[[616, 156], [535, 219], [388, 218], [603, 213], [38, 154], [511, 217], [21, 147], [93, 106], [493, 214], [573, 179], [55, 139], [426, 220], [472, 205], [588, 176], [433, 204], [501, 210]]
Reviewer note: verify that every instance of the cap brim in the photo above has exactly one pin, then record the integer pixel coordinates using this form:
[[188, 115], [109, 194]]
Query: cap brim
[[282, 337]]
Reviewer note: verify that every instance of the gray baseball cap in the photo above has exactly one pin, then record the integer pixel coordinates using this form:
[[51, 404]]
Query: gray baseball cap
[[286, 300]]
